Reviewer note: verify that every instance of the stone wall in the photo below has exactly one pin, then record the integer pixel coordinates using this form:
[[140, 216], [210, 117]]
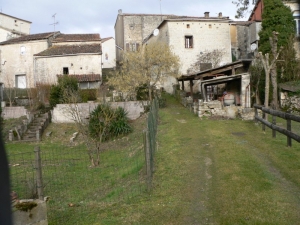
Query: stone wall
[[61, 113], [14, 112]]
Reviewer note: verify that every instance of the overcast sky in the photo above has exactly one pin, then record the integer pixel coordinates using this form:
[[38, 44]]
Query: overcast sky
[[99, 16]]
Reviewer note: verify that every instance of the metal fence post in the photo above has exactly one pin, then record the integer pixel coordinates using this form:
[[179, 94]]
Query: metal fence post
[[39, 178], [147, 158]]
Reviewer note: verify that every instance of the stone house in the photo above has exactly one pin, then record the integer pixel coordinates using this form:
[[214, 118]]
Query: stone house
[[37, 58], [16, 67], [132, 29], [12, 27], [79, 55], [190, 36]]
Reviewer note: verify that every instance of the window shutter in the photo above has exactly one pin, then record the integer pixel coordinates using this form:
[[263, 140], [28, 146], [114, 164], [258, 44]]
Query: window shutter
[[137, 46]]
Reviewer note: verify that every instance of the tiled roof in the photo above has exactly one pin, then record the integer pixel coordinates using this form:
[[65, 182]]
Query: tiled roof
[[77, 37], [106, 39], [70, 50], [31, 37], [84, 77]]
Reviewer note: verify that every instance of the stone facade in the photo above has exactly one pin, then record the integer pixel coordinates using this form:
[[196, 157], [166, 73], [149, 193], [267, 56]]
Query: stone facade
[[108, 53], [205, 33], [132, 29], [47, 68], [11, 27], [17, 61]]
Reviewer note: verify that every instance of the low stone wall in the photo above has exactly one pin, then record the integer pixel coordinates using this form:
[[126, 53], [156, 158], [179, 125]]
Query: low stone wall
[[30, 212], [61, 113], [13, 112], [215, 108]]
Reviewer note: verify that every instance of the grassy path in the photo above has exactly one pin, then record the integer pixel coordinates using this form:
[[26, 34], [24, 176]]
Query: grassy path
[[221, 172]]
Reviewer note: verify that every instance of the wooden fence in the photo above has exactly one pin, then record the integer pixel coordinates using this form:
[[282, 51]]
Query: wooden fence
[[275, 113]]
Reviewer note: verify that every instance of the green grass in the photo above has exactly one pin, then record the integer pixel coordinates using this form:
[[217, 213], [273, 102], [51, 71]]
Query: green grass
[[206, 172]]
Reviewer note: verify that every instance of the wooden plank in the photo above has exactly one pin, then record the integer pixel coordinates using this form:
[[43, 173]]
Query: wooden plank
[[279, 129]]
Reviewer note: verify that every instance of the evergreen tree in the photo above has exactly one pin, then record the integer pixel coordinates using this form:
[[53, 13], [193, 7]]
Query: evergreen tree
[[276, 17]]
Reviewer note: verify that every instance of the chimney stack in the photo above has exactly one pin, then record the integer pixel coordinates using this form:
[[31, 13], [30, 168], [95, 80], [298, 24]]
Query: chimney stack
[[206, 14], [120, 11], [220, 15]]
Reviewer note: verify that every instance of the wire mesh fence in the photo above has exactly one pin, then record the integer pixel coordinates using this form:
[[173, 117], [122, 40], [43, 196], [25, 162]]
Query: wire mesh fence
[[75, 189], [150, 142]]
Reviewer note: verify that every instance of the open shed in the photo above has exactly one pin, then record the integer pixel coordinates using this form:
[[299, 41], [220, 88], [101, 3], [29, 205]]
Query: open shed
[[233, 78]]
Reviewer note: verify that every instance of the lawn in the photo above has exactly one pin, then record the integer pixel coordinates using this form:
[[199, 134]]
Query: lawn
[[207, 171]]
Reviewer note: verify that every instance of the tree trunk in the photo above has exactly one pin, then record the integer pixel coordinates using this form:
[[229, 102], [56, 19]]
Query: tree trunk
[[274, 84]]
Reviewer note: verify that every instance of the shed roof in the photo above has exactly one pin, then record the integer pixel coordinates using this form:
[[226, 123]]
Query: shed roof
[[84, 77], [57, 50], [292, 86]]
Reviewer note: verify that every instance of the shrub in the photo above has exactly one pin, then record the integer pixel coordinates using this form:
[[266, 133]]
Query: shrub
[[88, 94], [108, 122]]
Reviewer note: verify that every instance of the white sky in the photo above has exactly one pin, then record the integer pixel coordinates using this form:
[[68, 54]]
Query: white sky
[[99, 16]]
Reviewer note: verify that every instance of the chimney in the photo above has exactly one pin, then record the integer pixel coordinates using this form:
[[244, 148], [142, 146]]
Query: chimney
[[206, 14], [120, 11], [220, 15]]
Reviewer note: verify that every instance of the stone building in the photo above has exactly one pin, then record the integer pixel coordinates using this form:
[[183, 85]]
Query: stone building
[[16, 67], [189, 37], [11, 27], [79, 55], [132, 29], [39, 58]]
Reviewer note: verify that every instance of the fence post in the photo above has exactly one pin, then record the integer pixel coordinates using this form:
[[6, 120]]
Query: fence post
[[273, 122], [147, 158], [264, 117], [289, 128], [39, 178]]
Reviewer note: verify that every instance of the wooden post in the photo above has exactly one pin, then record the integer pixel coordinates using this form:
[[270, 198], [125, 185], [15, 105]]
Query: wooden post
[[39, 178], [256, 113], [191, 90], [264, 117], [273, 122], [289, 128], [182, 84]]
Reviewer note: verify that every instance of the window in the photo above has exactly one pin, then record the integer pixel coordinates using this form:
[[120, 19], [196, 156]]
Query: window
[[188, 41], [65, 70], [20, 81], [187, 26], [22, 50], [297, 26], [132, 47]]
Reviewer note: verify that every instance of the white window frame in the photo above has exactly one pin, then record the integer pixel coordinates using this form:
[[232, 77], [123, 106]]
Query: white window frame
[[20, 81]]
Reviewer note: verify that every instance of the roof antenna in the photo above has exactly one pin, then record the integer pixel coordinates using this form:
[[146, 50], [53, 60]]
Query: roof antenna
[[54, 22], [160, 9]]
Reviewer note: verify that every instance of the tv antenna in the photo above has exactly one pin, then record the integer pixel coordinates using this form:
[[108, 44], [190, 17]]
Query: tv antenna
[[55, 22], [160, 9]]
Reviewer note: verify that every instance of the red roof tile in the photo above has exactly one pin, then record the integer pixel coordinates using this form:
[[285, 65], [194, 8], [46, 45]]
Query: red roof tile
[[31, 37], [84, 77], [71, 50], [77, 37]]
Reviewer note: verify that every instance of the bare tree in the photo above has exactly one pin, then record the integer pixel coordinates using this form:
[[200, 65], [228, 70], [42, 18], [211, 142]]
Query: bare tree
[[9, 88], [270, 69], [152, 64], [75, 112], [213, 58]]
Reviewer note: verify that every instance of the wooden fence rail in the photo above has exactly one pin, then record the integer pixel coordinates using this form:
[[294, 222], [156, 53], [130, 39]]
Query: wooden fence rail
[[275, 113]]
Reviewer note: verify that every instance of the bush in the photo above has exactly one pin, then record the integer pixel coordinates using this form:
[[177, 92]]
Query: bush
[[88, 95], [57, 92], [108, 122]]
